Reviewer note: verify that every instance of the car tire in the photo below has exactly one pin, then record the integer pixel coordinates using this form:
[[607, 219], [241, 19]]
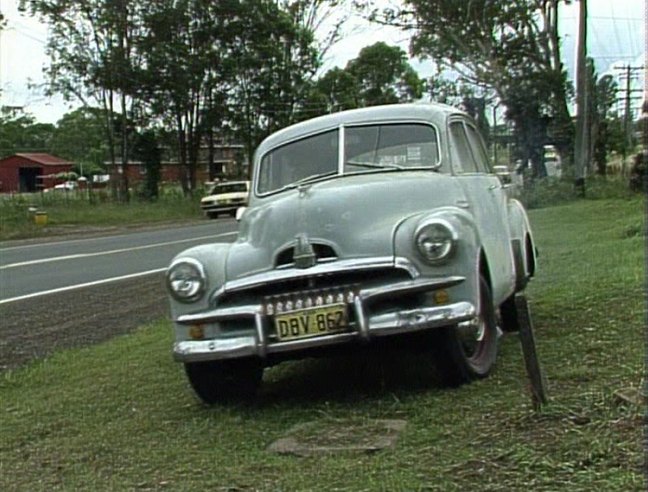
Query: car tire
[[224, 381], [212, 215], [466, 354]]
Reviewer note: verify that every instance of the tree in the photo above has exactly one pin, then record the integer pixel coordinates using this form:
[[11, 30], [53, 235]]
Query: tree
[[21, 133], [384, 75], [273, 59], [80, 138], [91, 50], [147, 150], [607, 130], [380, 74], [512, 48]]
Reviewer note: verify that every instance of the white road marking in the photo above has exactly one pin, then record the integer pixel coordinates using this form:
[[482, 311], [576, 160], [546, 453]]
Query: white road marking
[[83, 240], [112, 252], [81, 286]]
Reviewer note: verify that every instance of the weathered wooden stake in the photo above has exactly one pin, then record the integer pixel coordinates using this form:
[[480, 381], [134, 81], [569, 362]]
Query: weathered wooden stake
[[538, 393]]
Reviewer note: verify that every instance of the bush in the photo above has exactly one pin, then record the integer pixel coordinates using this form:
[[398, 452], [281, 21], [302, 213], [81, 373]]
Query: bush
[[551, 191]]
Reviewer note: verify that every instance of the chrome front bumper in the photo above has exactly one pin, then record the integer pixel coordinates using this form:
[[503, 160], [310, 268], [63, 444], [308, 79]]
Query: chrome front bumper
[[365, 328]]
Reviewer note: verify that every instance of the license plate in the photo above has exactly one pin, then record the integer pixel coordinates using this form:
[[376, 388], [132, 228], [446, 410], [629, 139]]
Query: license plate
[[311, 322]]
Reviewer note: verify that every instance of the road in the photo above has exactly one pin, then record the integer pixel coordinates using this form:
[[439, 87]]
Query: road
[[75, 292], [33, 270]]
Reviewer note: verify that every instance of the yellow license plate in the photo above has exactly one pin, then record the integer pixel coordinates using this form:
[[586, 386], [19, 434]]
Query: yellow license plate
[[311, 322]]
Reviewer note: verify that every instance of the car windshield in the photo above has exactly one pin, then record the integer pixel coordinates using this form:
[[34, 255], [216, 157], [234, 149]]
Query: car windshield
[[228, 188], [366, 148]]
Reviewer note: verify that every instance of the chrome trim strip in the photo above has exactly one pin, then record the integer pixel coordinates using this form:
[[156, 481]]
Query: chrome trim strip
[[221, 314], [405, 264], [412, 287], [421, 319], [329, 268], [204, 350]]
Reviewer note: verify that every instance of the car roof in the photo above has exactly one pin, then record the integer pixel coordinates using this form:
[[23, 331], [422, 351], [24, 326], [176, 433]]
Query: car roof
[[433, 112]]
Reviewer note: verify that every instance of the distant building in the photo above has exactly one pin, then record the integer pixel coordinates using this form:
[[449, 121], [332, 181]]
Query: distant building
[[27, 173], [225, 164]]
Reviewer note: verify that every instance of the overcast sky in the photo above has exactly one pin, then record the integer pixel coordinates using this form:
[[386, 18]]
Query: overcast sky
[[616, 37]]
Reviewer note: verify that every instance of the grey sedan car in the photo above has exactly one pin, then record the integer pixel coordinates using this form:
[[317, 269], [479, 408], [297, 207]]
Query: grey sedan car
[[384, 223]]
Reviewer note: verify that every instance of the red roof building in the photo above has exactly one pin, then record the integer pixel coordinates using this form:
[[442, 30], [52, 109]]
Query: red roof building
[[27, 173]]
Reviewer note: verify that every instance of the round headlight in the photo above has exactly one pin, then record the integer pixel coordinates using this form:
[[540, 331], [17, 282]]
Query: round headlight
[[186, 280], [436, 240]]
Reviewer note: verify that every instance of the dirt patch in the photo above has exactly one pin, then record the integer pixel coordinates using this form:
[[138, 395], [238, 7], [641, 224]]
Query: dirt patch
[[336, 436], [35, 328]]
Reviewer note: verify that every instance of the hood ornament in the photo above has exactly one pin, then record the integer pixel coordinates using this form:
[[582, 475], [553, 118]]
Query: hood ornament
[[304, 254]]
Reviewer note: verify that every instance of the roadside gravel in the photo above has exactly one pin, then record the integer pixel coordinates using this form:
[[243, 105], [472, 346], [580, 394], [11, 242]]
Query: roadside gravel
[[35, 328]]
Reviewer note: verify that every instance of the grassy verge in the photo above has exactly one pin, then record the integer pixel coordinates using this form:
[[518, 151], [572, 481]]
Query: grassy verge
[[73, 210], [120, 416]]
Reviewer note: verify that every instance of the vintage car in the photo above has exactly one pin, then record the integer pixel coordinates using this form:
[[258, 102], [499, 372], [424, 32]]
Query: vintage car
[[225, 198], [383, 223]]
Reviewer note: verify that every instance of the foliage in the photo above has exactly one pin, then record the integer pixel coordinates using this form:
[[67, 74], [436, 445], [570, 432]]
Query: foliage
[[549, 192], [380, 74], [21, 133], [511, 48], [197, 66], [80, 137], [148, 152], [91, 59], [121, 416], [272, 59], [608, 134]]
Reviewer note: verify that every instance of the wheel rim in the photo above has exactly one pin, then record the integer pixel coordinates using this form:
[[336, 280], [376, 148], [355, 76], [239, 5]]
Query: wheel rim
[[473, 338]]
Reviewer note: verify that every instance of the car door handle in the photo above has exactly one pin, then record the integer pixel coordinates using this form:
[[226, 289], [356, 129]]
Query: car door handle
[[494, 187]]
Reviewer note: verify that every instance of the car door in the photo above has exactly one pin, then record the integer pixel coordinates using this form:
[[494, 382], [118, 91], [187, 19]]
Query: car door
[[487, 201]]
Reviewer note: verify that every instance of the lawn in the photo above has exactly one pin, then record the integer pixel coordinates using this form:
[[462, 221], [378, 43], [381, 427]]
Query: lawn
[[72, 211], [120, 416]]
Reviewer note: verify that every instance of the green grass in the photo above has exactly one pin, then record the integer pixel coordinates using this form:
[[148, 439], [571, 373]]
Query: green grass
[[120, 416], [67, 212]]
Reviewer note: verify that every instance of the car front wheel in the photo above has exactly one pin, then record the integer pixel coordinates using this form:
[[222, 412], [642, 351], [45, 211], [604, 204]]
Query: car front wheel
[[465, 353], [224, 381]]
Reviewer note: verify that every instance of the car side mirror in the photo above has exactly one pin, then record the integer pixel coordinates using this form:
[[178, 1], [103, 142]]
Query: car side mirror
[[504, 175], [239, 213]]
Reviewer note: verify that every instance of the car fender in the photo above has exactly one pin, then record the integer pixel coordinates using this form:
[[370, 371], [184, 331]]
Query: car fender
[[213, 257], [522, 244], [464, 261]]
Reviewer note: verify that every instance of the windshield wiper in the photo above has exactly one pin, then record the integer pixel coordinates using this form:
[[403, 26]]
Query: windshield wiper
[[372, 165], [314, 177]]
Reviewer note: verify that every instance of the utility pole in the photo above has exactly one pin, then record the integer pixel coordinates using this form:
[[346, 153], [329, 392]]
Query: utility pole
[[581, 147], [628, 74]]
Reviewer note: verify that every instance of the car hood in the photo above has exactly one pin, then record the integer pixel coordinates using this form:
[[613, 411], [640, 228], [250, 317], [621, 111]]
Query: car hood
[[225, 196], [355, 216]]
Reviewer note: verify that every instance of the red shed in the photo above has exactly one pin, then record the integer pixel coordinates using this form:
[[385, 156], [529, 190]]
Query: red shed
[[30, 172]]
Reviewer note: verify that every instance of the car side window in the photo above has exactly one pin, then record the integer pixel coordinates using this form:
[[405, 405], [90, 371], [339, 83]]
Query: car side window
[[478, 149], [462, 158]]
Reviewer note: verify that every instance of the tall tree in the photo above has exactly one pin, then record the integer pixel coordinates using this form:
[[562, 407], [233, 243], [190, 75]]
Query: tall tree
[[91, 51], [384, 75], [80, 138], [608, 130], [181, 51], [273, 59], [21, 133], [511, 47], [380, 74]]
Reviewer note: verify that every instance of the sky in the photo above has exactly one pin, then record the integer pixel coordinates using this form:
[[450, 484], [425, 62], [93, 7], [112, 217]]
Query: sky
[[616, 37]]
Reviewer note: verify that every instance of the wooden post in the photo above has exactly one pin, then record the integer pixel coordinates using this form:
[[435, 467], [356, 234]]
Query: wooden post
[[536, 378]]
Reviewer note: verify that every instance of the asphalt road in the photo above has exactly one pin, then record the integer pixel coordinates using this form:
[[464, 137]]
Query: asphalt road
[[34, 270], [72, 293]]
